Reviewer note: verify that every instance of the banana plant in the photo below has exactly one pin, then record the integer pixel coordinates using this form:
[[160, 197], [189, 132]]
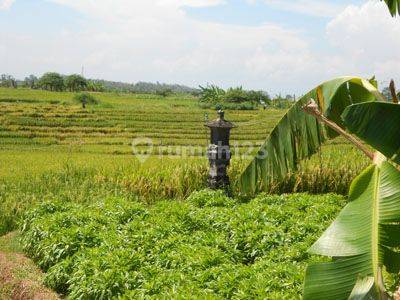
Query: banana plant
[[362, 242], [365, 238], [298, 136]]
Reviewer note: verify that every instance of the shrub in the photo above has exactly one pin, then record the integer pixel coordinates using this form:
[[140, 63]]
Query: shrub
[[85, 99], [230, 106], [164, 92], [236, 95], [209, 246], [212, 96]]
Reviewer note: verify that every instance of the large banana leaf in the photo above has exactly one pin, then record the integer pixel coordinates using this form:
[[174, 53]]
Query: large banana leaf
[[361, 240], [378, 124], [298, 136], [394, 6]]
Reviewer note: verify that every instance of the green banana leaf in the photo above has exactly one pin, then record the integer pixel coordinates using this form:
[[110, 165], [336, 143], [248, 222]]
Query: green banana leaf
[[361, 240], [298, 135], [394, 6], [378, 124]]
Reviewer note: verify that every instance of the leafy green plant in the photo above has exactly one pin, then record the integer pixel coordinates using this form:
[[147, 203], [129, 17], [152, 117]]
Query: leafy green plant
[[378, 124], [51, 81], [165, 92], [211, 94], [362, 239], [210, 246], [298, 136], [233, 98], [85, 99], [75, 83], [365, 238], [230, 106]]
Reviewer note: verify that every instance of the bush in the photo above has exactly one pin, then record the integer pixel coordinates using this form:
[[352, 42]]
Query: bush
[[85, 99], [211, 94], [234, 98], [164, 92], [230, 106], [209, 246], [237, 95]]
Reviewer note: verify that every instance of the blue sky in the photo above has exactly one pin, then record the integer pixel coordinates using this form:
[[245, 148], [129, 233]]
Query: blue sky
[[276, 45]]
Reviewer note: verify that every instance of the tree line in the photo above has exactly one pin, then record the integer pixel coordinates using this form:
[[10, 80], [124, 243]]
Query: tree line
[[212, 96], [53, 81]]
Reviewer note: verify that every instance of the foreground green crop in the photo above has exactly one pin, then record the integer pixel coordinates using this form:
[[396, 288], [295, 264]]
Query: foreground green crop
[[209, 246]]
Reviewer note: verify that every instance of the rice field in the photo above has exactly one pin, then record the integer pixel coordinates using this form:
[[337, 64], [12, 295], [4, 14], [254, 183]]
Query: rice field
[[39, 119], [51, 148], [149, 151], [47, 123]]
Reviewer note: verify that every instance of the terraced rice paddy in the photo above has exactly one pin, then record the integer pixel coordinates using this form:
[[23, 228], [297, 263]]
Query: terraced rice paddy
[[51, 148], [111, 127], [149, 151]]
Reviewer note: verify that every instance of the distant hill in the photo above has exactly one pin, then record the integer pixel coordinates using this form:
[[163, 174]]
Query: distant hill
[[145, 87]]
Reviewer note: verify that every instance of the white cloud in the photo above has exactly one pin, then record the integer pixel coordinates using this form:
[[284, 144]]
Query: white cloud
[[6, 4], [315, 8], [157, 41], [367, 39], [193, 3]]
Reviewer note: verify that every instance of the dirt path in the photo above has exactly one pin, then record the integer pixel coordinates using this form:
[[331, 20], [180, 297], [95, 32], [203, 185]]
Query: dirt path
[[20, 279]]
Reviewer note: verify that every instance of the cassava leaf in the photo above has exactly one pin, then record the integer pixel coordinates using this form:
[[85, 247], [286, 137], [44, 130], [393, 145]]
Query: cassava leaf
[[378, 124], [298, 136], [362, 240]]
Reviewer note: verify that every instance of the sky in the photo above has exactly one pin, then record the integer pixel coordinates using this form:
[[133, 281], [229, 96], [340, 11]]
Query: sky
[[280, 46]]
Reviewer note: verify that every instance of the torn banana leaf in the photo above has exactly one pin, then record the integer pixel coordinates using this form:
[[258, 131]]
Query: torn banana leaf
[[378, 124], [298, 135]]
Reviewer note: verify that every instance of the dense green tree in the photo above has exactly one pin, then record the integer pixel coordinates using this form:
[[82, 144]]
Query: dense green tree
[[75, 83], [95, 86], [52, 81], [236, 95], [259, 97], [8, 81], [31, 81]]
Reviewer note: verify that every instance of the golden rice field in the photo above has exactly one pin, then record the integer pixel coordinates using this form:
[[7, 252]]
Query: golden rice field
[[51, 148]]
